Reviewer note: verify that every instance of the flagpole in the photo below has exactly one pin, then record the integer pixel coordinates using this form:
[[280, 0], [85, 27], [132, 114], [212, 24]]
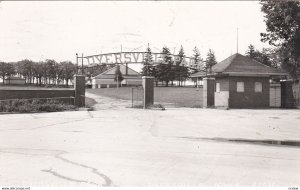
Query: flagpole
[[237, 40]]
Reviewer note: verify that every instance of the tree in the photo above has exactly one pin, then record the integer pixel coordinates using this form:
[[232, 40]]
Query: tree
[[163, 69], [210, 61], [180, 70], [38, 72], [25, 67], [19, 68], [118, 75], [283, 31], [51, 70], [59, 68], [198, 61], [6, 70], [273, 54], [177, 69], [263, 56], [147, 69], [45, 72], [251, 52], [68, 71]]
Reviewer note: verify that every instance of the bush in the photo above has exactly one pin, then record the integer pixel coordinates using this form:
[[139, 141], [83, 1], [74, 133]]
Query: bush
[[27, 106]]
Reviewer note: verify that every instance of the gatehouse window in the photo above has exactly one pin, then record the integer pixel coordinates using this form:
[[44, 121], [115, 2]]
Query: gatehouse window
[[258, 87], [240, 87], [217, 87]]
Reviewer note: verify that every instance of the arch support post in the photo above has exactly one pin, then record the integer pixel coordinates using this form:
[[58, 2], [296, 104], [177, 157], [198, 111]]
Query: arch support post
[[208, 92], [79, 87], [148, 87]]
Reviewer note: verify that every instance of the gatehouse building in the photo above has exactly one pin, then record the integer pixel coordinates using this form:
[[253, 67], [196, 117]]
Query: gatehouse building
[[241, 82]]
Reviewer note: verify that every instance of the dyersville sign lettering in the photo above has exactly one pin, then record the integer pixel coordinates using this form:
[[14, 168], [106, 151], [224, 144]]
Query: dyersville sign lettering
[[133, 57]]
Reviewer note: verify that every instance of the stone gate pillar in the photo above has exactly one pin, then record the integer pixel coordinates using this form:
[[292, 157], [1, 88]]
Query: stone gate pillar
[[79, 87], [208, 92], [148, 85]]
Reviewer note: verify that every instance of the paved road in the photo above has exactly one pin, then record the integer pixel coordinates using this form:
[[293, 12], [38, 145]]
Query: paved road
[[134, 147]]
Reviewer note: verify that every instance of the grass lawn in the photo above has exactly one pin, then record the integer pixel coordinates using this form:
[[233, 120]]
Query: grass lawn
[[176, 96]]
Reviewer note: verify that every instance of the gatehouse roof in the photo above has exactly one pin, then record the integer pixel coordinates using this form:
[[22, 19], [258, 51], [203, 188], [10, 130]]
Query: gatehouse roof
[[240, 65]]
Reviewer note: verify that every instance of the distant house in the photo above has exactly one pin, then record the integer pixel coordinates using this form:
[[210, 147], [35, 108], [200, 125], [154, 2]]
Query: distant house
[[107, 78], [241, 82], [197, 78], [14, 81]]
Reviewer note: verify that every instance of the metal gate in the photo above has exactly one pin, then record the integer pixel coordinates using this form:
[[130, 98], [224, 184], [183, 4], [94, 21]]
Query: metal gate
[[275, 95]]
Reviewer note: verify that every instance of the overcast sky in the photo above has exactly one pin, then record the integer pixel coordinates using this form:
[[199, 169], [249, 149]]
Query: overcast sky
[[58, 30]]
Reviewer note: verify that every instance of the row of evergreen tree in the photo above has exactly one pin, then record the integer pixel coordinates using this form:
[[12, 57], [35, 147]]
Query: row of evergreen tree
[[170, 70]]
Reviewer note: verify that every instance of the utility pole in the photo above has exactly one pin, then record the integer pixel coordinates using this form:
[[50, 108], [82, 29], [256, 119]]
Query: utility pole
[[237, 40], [77, 63], [82, 63], [147, 67], [118, 68]]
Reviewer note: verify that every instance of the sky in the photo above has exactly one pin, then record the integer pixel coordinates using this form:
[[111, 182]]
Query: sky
[[40, 30]]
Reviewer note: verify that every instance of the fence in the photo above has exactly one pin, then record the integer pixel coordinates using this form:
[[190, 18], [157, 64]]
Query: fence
[[137, 96], [296, 93]]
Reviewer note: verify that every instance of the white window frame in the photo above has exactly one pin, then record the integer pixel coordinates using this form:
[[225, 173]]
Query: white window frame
[[218, 88], [258, 87], [240, 86]]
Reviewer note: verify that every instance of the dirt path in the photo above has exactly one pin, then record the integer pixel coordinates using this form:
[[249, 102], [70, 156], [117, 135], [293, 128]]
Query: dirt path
[[104, 103]]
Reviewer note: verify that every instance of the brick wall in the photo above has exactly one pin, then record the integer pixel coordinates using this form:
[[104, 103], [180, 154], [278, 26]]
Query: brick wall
[[249, 98]]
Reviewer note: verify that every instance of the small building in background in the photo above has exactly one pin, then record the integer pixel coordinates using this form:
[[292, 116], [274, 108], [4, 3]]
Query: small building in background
[[197, 78], [107, 78], [14, 81]]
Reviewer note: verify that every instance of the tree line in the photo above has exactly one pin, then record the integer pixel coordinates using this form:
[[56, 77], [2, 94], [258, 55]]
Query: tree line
[[39, 73], [169, 70], [60, 73]]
